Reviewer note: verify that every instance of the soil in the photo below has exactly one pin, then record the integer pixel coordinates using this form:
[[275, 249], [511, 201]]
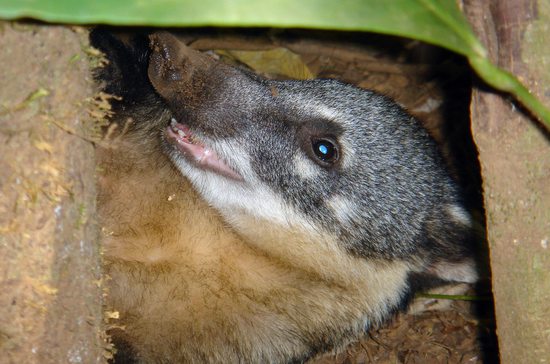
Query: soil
[[432, 84], [50, 270]]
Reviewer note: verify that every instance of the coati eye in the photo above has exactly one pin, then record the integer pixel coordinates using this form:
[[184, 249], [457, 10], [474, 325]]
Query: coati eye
[[325, 150]]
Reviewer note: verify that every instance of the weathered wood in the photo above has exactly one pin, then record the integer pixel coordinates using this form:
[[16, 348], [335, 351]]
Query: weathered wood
[[515, 160], [50, 291]]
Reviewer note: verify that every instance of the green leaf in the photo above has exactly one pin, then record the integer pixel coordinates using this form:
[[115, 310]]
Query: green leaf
[[438, 22], [506, 82], [452, 297]]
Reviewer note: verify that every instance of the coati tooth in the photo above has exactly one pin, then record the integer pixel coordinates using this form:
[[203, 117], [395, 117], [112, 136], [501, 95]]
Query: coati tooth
[[173, 122]]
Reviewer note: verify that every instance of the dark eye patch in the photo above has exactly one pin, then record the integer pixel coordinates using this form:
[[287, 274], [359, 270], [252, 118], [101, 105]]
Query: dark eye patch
[[319, 140]]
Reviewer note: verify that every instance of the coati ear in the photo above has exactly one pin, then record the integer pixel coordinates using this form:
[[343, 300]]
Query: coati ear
[[456, 240], [464, 271], [178, 73]]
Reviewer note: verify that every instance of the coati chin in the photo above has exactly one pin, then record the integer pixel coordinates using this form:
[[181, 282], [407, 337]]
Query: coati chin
[[249, 220]]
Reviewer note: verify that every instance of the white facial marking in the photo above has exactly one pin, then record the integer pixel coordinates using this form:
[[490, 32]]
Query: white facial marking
[[263, 204], [232, 152], [347, 153], [325, 112], [343, 209], [250, 197], [304, 167]]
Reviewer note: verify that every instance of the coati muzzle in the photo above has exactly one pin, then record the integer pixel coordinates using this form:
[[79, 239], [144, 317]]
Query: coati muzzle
[[197, 153]]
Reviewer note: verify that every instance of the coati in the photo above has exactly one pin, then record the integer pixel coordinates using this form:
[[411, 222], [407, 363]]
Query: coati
[[249, 220]]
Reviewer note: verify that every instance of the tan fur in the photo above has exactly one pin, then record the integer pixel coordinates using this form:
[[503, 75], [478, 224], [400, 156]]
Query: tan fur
[[189, 289]]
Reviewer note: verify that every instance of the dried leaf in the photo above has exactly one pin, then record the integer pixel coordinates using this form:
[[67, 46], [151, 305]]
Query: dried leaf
[[274, 62]]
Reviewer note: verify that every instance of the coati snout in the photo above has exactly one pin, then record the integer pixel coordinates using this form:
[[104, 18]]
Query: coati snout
[[322, 206]]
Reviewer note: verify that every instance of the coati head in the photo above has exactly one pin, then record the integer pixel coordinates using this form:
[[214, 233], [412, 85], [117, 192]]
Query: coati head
[[319, 159]]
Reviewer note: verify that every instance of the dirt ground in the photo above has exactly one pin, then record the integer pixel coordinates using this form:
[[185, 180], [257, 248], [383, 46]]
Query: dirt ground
[[50, 295], [432, 84]]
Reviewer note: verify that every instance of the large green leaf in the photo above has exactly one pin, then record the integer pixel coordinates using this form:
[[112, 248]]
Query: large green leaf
[[438, 22]]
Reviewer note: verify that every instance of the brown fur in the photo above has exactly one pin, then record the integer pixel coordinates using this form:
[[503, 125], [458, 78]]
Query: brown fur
[[188, 289]]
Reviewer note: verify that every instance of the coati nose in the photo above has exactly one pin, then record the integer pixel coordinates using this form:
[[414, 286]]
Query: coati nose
[[178, 73]]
